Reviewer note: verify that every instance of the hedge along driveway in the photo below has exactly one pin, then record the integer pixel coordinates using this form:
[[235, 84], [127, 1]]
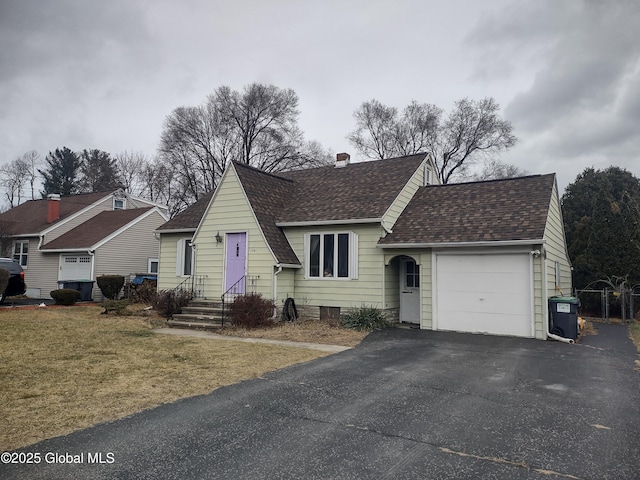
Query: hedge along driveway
[[66, 368]]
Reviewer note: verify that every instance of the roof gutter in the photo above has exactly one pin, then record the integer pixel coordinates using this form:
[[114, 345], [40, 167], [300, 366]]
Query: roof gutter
[[314, 223], [287, 265], [496, 243], [175, 230]]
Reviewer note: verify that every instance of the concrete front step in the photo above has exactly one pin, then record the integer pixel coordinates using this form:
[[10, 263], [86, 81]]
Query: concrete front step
[[194, 321], [202, 310]]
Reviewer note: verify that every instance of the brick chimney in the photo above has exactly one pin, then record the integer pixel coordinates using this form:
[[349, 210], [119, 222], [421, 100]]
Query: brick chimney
[[342, 160], [53, 207]]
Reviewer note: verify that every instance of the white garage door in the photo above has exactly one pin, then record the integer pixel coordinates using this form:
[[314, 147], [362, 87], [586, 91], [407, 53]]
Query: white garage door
[[484, 294], [75, 267]]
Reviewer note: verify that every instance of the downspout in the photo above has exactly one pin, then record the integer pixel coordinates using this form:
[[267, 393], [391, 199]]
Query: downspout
[[275, 291], [546, 302], [40, 241]]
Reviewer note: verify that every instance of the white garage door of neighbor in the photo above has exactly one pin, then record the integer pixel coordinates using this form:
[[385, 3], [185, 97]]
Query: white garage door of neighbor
[[484, 294], [75, 267]]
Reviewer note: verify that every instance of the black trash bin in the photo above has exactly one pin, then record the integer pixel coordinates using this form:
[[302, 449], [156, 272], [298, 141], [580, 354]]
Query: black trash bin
[[563, 316], [85, 287]]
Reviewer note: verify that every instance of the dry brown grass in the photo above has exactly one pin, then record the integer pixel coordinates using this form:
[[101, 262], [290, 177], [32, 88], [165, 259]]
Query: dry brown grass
[[302, 331], [62, 369], [634, 330]]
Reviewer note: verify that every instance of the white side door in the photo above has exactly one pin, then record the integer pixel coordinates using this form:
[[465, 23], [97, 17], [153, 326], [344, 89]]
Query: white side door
[[409, 291]]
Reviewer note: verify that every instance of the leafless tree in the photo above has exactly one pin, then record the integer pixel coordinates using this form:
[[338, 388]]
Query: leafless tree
[[13, 177], [470, 132], [131, 165], [495, 169], [257, 126]]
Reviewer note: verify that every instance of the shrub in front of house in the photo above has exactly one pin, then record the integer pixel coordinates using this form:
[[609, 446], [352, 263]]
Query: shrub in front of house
[[168, 302], [365, 319], [110, 285], [252, 311], [65, 296]]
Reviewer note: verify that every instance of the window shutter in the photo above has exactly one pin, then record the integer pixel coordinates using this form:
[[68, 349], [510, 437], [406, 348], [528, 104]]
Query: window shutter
[[179, 256], [353, 255], [306, 256]]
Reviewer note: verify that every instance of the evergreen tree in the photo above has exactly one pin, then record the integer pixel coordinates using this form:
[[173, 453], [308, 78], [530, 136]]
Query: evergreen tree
[[601, 212], [99, 172], [61, 173]]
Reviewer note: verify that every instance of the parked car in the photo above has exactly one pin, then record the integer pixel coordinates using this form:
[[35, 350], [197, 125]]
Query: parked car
[[16, 285]]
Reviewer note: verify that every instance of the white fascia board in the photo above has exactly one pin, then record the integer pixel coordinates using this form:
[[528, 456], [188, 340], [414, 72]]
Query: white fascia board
[[110, 236], [317, 223], [75, 215], [150, 203], [500, 243], [421, 167], [211, 200]]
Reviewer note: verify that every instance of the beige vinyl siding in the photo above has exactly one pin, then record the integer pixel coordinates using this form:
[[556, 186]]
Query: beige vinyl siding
[[64, 227], [539, 308], [231, 214], [130, 251], [285, 286], [366, 289], [406, 194], [41, 272], [167, 257], [556, 248]]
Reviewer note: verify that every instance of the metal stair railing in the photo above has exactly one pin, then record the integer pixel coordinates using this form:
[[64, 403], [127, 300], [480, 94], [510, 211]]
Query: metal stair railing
[[245, 286]]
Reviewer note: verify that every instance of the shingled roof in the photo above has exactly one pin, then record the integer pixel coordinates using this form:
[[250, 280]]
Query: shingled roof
[[190, 217], [268, 195], [94, 230], [31, 217], [492, 211], [354, 192]]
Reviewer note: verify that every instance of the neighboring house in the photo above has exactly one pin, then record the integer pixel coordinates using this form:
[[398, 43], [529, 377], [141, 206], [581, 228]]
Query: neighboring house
[[80, 237], [472, 257]]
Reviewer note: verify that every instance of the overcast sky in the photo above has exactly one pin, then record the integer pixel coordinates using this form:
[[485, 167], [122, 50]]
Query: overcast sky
[[105, 74]]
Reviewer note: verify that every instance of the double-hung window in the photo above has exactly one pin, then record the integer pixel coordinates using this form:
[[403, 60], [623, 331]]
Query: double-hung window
[[332, 255], [21, 252]]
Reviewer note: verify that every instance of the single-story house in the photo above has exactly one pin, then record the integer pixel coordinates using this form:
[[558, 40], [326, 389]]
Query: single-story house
[[473, 257], [80, 237]]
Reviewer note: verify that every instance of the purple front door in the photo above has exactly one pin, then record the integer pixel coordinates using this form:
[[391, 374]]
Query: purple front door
[[236, 261]]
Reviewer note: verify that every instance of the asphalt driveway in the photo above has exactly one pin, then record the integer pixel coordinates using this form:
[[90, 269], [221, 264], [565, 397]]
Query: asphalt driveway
[[403, 404]]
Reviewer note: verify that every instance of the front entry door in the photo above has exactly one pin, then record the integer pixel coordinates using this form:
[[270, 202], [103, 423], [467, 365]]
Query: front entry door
[[409, 291], [236, 261]]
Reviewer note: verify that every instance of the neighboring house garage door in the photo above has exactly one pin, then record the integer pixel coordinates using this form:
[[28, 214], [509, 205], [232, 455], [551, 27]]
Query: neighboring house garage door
[[75, 267], [484, 294]]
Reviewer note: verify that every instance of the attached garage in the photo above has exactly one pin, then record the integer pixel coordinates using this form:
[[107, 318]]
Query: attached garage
[[490, 254], [484, 293]]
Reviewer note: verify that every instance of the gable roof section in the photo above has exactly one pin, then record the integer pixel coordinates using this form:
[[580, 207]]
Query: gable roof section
[[31, 217], [493, 211], [358, 191], [96, 229], [189, 218], [268, 195]]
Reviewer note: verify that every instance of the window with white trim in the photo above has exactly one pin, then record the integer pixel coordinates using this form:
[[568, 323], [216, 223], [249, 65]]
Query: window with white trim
[[153, 265], [118, 204], [331, 255], [184, 257], [21, 252]]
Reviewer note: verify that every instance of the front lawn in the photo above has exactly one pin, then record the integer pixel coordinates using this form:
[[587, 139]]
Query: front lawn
[[63, 369]]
